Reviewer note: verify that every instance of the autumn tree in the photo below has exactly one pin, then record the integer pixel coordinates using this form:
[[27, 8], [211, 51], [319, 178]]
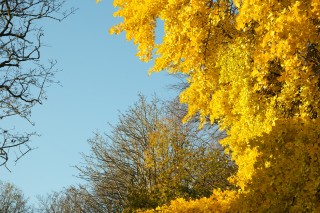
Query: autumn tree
[[23, 78], [181, 166], [253, 67], [12, 199], [151, 157]]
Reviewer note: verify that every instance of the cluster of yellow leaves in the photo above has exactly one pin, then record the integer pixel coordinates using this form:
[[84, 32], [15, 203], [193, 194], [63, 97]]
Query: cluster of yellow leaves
[[286, 175], [218, 202], [254, 66], [169, 159], [182, 165]]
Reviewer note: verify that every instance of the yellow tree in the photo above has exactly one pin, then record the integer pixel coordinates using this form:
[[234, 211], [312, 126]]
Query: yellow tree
[[254, 67], [184, 163]]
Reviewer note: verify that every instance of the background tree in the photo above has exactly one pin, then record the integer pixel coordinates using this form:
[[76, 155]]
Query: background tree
[[184, 163], [67, 200], [12, 200], [22, 78], [151, 157]]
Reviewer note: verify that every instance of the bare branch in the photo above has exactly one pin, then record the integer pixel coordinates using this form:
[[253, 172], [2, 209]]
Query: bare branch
[[23, 79]]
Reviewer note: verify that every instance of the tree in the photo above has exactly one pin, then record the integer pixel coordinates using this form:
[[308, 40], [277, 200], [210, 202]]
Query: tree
[[254, 68], [23, 78], [12, 199], [150, 157], [67, 200], [181, 166]]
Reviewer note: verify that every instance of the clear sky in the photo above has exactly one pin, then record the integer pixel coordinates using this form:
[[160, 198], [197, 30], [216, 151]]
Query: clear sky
[[100, 76]]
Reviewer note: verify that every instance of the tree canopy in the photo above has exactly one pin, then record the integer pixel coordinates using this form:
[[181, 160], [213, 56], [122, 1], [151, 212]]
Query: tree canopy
[[12, 199], [151, 157], [253, 67]]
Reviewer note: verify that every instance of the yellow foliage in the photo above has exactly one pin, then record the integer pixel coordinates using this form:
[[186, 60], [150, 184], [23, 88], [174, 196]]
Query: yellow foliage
[[181, 166], [218, 202], [254, 66]]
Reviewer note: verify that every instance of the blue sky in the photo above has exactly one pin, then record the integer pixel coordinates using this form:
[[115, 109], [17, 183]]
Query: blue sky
[[100, 76]]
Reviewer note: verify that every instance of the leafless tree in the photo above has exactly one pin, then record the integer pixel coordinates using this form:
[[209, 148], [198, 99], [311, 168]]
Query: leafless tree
[[23, 78], [12, 200], [67, 200]]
